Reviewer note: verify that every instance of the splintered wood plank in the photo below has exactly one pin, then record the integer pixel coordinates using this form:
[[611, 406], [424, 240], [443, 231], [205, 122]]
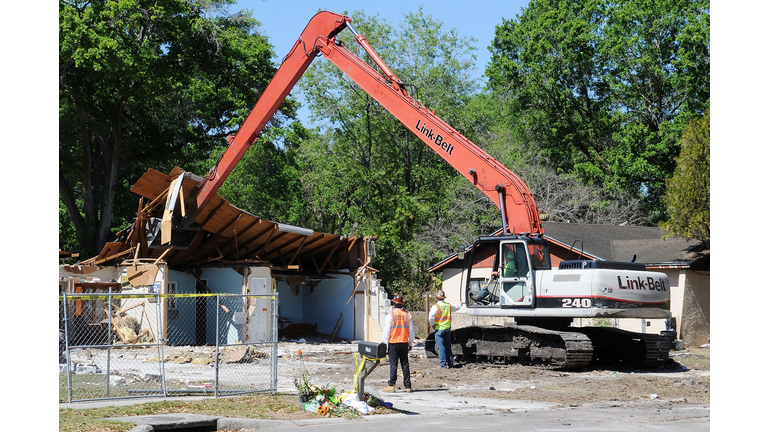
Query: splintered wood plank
[[151, 184], [110, 248]]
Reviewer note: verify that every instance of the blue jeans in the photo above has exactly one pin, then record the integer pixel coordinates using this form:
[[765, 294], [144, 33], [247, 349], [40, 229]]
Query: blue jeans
[[483, 293], [443, 342]]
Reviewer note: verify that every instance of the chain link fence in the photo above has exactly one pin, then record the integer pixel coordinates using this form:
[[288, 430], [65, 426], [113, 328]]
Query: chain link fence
[[115, 345]]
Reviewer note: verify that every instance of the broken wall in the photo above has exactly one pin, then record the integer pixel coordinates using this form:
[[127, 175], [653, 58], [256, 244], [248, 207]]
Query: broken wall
[[131, 319], [222, 281], [193, 320], [322, 305], [86, 273], [142, 313], [180, 312]]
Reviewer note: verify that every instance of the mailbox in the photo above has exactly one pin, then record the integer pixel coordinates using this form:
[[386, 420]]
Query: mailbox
[[372, 349]]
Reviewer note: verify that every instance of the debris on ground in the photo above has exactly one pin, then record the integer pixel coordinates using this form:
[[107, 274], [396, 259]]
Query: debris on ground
[[684, 378]]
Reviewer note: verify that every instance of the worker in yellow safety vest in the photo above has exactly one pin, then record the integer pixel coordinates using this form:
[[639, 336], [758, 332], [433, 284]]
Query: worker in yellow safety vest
[[398, 333], [440, 319]]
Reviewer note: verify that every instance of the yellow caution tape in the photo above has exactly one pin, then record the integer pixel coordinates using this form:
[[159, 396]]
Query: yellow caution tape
[[360, 365]]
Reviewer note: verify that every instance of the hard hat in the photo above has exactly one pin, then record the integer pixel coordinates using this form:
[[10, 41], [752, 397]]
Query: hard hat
[[398, 300], [440, 295]]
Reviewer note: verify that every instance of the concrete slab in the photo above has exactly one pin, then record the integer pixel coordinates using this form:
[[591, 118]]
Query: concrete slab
[[442, 403]]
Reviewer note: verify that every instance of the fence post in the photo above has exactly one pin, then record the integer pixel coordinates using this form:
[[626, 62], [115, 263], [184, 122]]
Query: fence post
[[275, 303], [109, 335], [66, 344], [161, 341], [216, 351]]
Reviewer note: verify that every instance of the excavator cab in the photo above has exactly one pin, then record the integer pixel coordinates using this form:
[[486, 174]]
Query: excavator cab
[[515, 273], [500, 270]]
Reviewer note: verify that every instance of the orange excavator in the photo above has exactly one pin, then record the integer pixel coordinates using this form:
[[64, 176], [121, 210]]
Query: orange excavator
[[515, 265]]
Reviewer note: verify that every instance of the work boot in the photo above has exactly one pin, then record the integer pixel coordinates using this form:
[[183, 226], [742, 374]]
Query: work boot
[[388, 389]]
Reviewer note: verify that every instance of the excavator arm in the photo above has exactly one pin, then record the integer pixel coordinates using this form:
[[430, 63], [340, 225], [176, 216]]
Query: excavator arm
[[503, 187]]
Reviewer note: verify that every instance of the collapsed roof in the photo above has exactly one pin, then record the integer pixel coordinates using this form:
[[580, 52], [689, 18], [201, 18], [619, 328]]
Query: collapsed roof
[[224, 235]]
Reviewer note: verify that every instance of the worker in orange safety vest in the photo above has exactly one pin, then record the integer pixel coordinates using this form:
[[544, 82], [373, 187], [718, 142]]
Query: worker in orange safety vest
[[398, 333]]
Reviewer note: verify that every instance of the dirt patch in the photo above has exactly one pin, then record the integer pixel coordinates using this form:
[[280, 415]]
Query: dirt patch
[[684, 379]]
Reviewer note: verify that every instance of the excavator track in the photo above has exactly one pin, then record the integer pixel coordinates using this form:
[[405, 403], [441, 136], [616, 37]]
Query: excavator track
[[574, 349], [564, 350], [616, 346]]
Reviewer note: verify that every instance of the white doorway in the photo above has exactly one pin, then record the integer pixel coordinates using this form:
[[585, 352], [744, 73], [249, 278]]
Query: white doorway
[[260, 311]]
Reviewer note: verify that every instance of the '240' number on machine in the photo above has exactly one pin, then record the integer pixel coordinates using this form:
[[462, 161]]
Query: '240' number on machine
[[577, 303]]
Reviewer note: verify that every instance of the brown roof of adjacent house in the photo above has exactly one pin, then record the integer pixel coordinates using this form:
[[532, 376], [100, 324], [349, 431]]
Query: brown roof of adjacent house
[[621, 243]]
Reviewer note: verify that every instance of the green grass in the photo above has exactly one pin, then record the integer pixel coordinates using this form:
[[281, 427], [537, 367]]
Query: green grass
[[264, 406], [94, 386]]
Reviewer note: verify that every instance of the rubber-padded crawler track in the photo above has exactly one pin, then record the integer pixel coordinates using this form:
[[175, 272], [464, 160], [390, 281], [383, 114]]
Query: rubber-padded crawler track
[[517, 344], [574, 349], [641, 350]]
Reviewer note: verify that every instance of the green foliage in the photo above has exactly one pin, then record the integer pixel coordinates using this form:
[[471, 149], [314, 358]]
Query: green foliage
[[67, 234], [147, 85], [688, 190], [604, 87], [267, 180]]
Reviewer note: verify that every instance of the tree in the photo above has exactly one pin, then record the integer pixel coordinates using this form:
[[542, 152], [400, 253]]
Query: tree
[[658, 55], [147, 84], [267, 180], [688, 189], [604, 87], [546, 66]]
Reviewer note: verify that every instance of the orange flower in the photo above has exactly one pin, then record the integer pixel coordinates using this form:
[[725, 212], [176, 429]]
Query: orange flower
[[322, 410], [299, 352]]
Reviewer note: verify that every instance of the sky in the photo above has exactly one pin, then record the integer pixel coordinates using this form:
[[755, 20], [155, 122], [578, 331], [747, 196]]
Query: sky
[[282, 21]]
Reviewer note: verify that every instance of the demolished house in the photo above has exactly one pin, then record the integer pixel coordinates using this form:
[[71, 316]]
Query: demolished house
[[325, 286]]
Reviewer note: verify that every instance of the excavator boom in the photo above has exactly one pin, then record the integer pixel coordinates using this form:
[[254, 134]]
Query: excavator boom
[[503, 187]]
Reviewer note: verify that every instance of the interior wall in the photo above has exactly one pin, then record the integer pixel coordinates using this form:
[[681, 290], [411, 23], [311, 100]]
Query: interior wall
[[321, 306], [326, 303], [290, 307], [222, 281], [181, 319]]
